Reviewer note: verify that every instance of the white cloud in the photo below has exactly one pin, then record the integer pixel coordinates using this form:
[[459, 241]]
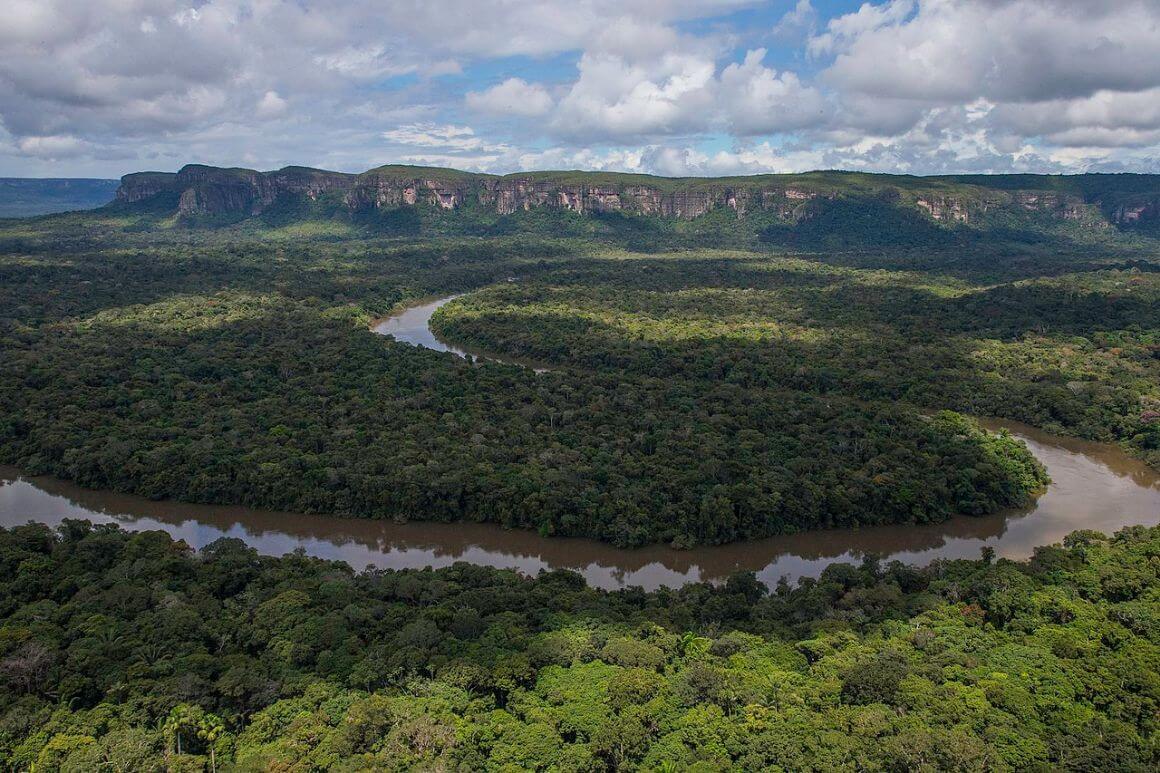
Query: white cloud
[[1106, 118], [1005, 50], [270, 105], [842, 31], [798, 21], [377, 61], [445, 137], [755, 99], [672, 86], [762, 158], [616, 98], [926, 85], [52, 147], [513, 97], [662, 86], [1079, 74], [609, 159], [161, 77], [504, 28]]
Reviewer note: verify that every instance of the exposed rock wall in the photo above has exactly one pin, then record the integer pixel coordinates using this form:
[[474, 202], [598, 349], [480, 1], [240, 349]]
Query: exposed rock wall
[[1142, 209], [205, 190], [1064, 206], [145, 185], [211, 191], [945, 209], [388, 191], [508, 195]]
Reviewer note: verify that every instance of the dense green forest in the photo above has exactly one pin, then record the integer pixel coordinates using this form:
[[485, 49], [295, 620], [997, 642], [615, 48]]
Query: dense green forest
[[695, 396], [245, 373], [709, 379], [1074, 353], [127, 651]]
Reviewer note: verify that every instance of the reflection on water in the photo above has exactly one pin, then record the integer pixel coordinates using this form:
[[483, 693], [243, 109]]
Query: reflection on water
[[412, 326], [1094, 486]]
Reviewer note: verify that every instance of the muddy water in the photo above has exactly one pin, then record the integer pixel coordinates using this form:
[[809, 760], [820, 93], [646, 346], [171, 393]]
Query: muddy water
[[1094, 486], [412, 326]]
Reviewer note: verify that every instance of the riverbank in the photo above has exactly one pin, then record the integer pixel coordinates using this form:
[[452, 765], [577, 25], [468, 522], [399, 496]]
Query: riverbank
[[1094, 486], [412, 325]]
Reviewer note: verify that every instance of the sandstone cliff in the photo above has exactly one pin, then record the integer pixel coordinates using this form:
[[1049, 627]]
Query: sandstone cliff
[[208, 190], [1090, 200]]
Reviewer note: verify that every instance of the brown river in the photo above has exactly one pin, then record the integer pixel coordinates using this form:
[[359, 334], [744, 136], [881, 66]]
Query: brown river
[[1094, 486], [411, 326]]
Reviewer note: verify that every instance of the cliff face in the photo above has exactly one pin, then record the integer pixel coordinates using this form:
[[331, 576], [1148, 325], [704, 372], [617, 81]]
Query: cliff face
[[145, 185], [384, 191], [510, 195], [1140, 209], [208, 190], [516, 193], [211, 191]]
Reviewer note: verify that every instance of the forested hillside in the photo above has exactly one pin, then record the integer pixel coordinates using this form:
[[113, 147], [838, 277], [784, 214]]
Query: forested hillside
[[129, 652]]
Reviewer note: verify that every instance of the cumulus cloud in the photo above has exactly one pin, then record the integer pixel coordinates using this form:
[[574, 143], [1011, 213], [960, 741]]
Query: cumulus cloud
[[800, 20], [161, 77], [1106, 118], [639, 85], [1009, 50], [755, 99], [270, 105], [53, 147], [514, 96], [444, 137], [1075, 74], [670, 84], [639, 79], [843, 31], [502, 28]]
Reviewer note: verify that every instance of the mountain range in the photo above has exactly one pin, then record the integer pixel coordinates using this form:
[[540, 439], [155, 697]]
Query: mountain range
[[1090, 201], [29, 196]]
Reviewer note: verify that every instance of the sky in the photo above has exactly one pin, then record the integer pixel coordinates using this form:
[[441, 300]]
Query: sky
[[100, 88]]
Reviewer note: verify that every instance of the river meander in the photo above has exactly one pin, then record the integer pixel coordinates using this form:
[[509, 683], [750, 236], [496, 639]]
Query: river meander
[[1094, 486], [412, 325]]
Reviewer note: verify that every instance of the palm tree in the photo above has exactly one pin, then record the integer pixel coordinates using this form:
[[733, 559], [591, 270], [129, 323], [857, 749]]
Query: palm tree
[[691, 644], [210, 729], [182, 716], [172, 727]]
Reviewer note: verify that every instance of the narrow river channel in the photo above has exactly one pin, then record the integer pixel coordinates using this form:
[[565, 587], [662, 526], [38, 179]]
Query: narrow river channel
[[412, 326], [1094, 486]]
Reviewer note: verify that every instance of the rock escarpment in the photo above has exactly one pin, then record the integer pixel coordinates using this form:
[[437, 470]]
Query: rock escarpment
[[208, 190], [1089, 200], [1143, 209]]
